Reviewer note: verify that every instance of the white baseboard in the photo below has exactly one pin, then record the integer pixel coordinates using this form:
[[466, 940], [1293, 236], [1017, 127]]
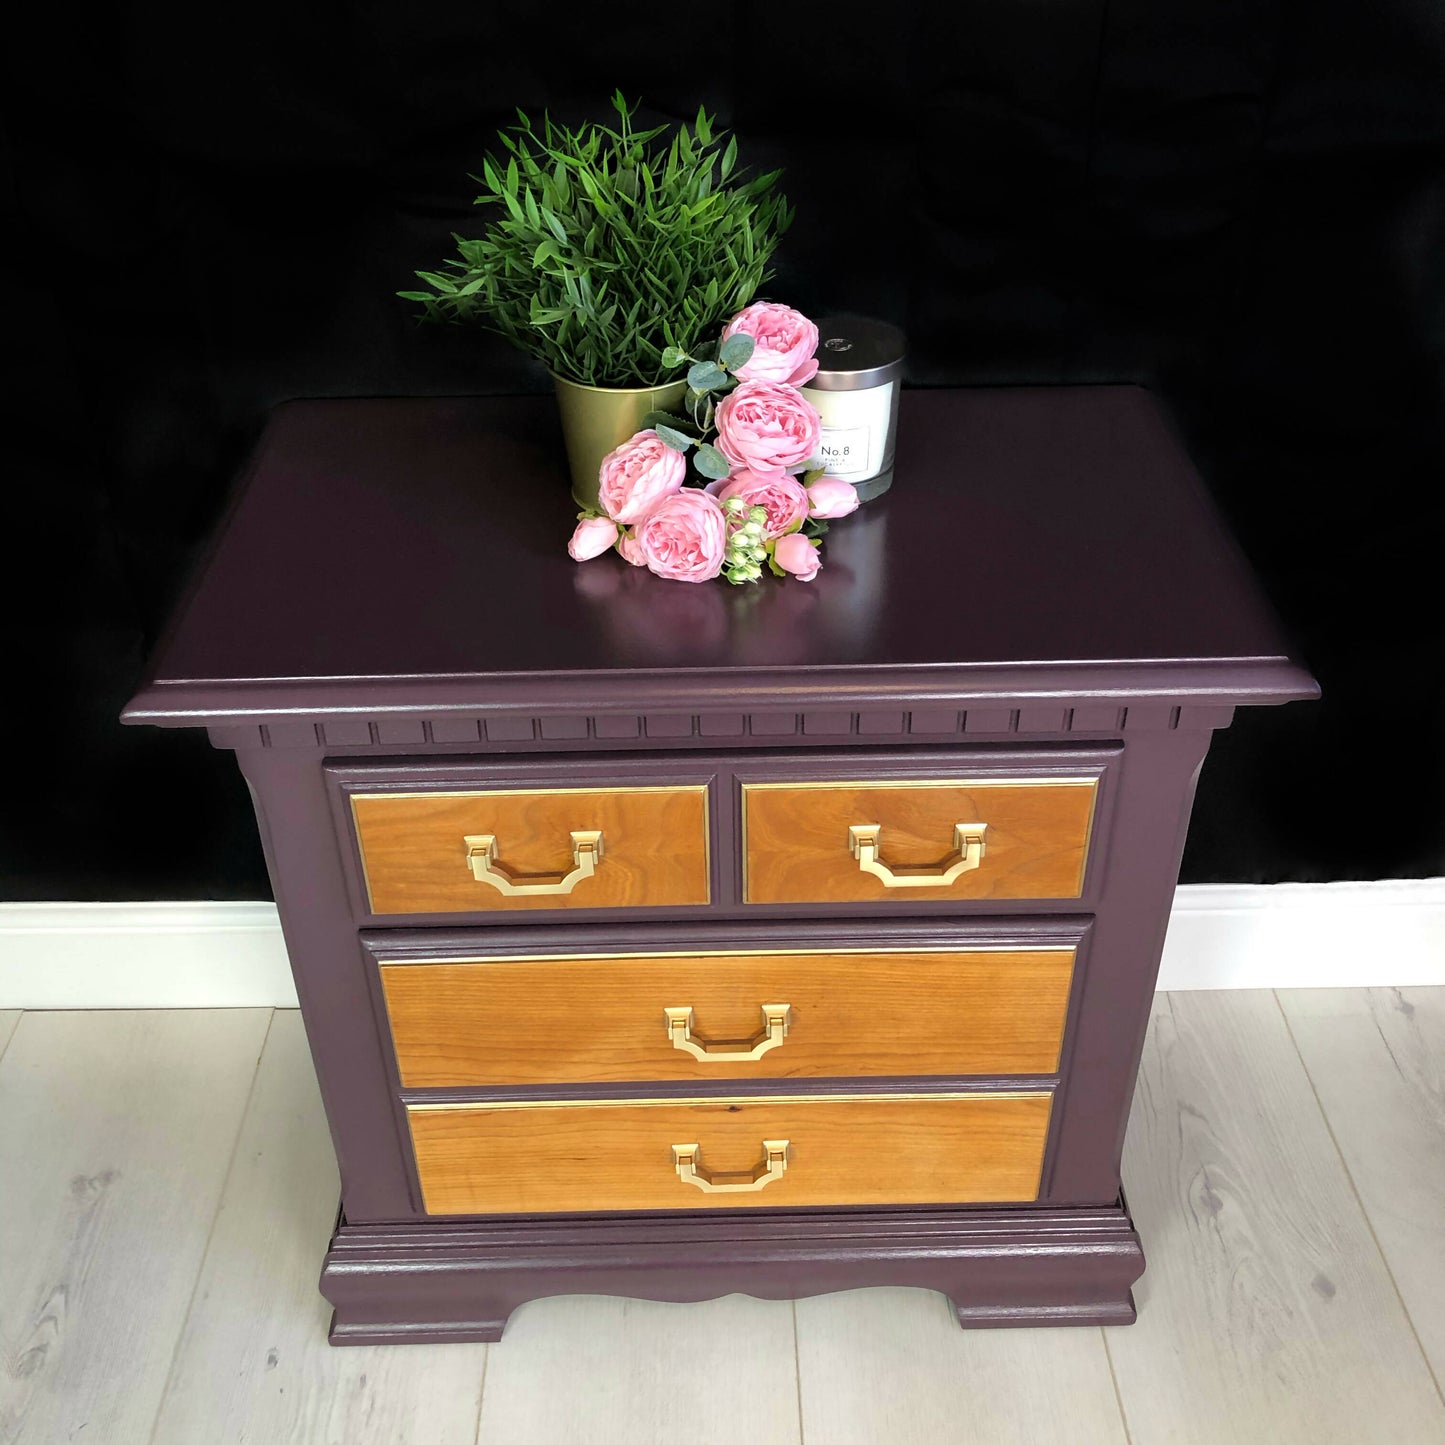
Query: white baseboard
[[1306, 935], [143, 955], [230, 955]]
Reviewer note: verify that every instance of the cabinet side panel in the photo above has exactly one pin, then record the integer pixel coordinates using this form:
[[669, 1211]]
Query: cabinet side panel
[[308, 878], [1102, 1051]]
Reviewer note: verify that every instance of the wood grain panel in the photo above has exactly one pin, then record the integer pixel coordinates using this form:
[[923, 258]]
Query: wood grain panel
[[600, 1019], [116, 1130], [796, 838], [1376, 1058], [597, 1370], [891, 1367], [256, 1308], [1266, 1313], [876, 1149], [655, 847]]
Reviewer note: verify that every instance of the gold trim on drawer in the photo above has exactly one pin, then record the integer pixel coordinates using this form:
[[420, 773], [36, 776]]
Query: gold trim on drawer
[[1008, 847], [608, 1017], [539, 1157], [658, 849]]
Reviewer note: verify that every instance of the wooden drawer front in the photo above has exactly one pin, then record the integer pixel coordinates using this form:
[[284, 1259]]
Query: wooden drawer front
[[415, 848], [603, 1019], [898, 1149], [798, 847]]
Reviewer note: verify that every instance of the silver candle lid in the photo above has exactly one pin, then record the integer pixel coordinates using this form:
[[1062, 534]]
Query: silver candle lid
[[856, 352]]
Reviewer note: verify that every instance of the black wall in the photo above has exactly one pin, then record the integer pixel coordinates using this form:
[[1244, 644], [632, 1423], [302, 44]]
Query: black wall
[[1241, 204]]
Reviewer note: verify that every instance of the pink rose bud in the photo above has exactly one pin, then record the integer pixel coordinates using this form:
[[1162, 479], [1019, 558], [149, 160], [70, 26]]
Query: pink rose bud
[[784, 343], [631, 552], [767, 427], [594, 535], [782, 497], [796, 554], [684, 537], [832, 497], [635, 477]]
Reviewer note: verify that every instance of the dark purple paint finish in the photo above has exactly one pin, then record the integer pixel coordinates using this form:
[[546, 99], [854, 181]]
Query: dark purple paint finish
[[437, 1282], [1046, 587], [394, 541]]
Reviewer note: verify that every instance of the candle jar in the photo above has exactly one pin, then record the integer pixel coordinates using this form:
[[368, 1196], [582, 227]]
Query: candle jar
[[860, 373]]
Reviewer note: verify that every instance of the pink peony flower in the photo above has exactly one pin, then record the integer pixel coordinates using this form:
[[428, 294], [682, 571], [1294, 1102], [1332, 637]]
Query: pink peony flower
[[594, 535], [631, 552], [767, 427], [684, 537], [796, 554], [779, 495], [635, 477], [785, 342], [832, 497]]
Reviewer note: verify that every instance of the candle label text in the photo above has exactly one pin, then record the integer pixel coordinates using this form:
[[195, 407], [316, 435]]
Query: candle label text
[[844, 450]]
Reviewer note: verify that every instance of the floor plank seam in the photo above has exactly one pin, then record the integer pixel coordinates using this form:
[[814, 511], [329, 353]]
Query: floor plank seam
[[1114, 1380], [798, 1374], [1359, 1198], [11, 1035], [482, 1393], [211, 1231]]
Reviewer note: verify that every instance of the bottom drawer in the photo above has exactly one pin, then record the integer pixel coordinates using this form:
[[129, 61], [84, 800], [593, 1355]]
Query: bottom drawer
[[529, 1158]]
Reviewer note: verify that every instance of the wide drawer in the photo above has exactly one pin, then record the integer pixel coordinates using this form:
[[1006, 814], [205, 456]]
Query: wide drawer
[[730, 1152], [727, 1014], [944, 838], [479, 851]]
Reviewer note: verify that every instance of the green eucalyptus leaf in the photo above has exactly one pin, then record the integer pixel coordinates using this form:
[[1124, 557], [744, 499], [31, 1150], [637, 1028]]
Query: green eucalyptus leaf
[[705, 375], [666, 418], [673, 356], [737, 350], [711, 462], [672, 437]]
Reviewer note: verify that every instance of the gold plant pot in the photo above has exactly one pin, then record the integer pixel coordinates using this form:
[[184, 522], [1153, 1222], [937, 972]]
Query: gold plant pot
[[597, 419]]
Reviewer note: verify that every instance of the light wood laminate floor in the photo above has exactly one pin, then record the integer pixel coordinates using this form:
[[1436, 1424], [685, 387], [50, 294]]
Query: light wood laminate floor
[[167, 1187]]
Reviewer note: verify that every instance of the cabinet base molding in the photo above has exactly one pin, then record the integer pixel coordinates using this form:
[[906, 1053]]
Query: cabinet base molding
[[431, 1282]]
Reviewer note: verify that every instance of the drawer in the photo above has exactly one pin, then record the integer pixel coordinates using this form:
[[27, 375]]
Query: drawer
[[916, 840], [527, 1158], [719, 1015], [505, 849]]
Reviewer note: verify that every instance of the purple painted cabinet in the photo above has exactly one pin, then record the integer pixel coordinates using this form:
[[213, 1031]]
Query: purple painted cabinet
[[1040, 625]]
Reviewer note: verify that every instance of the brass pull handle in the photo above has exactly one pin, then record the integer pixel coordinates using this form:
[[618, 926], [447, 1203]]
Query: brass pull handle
[[482, 855], [775, 1161], [967, 838], [728, 1051]]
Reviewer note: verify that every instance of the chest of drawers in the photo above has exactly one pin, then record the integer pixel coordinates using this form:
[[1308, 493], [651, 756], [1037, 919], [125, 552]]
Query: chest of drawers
[[674, 941]]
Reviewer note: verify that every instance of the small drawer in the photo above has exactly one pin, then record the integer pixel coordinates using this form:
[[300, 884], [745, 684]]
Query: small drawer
[[753, 1152], [946, 838], [720, 1015], [533, 848]]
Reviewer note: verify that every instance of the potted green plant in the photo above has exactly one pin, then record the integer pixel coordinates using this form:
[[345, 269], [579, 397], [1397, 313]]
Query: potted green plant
[[614, 257]]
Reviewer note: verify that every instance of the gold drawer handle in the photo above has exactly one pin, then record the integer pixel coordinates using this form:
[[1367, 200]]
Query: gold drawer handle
[[482, 855], [775, 1162], [967, 838], [729, 1051]]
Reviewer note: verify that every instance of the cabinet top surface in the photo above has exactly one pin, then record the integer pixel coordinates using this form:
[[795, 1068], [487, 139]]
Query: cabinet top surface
[[412, 551]]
